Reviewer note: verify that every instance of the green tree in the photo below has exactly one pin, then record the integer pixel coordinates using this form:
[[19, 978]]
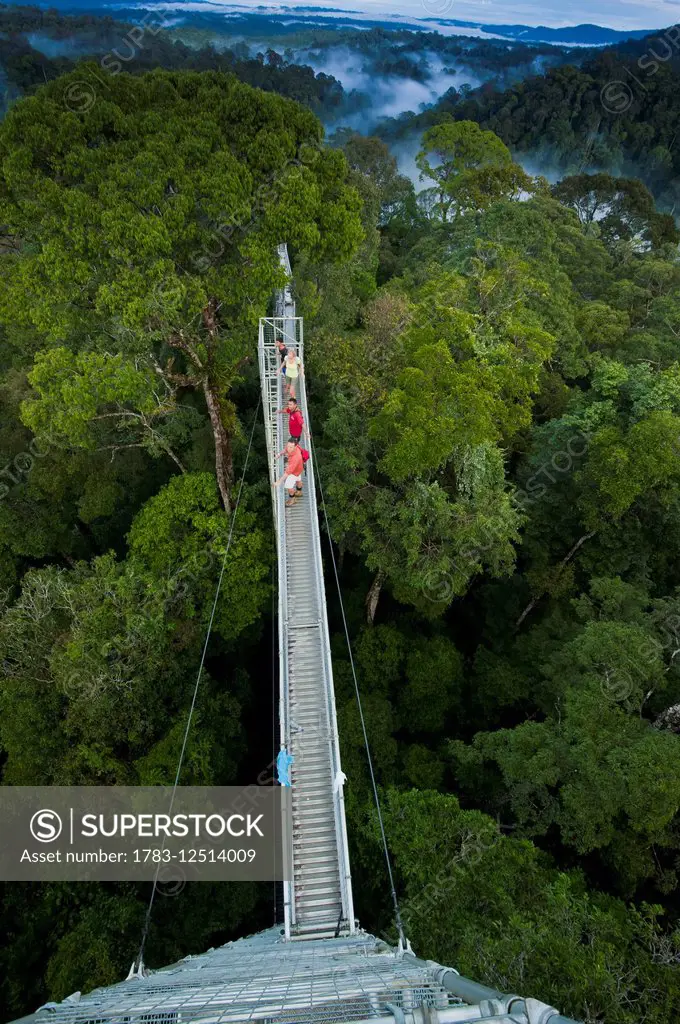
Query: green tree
[[84, 649], [416, 478], [497, 908], [607, 780], [148, 241], [622, 208], [471, 167]]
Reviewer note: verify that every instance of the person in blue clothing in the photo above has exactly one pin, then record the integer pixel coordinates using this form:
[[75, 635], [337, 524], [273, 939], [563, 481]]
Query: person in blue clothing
[[283, 763]]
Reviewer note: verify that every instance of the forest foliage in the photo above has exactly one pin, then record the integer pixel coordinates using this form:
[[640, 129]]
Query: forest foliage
[[495, 390], [614, 112]]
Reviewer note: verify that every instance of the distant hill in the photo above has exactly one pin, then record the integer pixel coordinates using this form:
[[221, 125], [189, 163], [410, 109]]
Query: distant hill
[[336, 18], [578, 35]]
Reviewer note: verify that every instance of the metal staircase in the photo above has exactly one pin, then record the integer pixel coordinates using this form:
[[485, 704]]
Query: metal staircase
[[318, 904]]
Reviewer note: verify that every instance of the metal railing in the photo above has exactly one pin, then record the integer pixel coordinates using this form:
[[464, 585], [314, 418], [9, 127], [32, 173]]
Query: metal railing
[[330, 709], [270, 379]]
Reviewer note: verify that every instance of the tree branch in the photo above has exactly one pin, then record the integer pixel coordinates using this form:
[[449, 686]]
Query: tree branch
[[532, 604]]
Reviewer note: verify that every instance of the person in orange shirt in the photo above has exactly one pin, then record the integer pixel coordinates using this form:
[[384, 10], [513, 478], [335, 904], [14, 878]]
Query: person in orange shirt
[[292, 475]]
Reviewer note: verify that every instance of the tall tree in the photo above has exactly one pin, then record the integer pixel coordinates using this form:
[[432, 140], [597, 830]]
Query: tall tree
[[144, 235], [622, 208], [471, 168]]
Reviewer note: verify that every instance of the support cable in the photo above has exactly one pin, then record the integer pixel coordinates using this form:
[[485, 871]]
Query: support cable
[[139, 962], [403, 943]]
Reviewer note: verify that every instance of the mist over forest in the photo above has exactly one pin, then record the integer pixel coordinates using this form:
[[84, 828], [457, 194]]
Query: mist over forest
[[485, 251], [362, 77], [392, 83]]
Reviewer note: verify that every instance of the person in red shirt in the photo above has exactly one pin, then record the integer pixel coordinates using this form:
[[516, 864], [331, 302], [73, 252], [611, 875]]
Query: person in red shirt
[[296, 421], [292, 475]]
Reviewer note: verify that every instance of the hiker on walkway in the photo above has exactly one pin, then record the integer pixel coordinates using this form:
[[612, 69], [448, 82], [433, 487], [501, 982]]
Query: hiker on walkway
[[305, 453], [294, 369], [292, 474], [283, 352], [296, 421], [283, 762]]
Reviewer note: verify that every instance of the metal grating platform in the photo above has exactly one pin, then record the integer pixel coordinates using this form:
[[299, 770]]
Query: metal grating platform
[[269, 979]]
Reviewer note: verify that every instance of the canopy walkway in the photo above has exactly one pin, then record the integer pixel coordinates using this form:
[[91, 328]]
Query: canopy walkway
[[319, 966], [319, 901]]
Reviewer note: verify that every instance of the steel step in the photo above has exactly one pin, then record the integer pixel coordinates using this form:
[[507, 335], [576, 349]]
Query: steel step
[[324, 916], [313, 830], [320, 812], [313, 795], [315, 871], [304, 846], [317, 882], [329, 894]]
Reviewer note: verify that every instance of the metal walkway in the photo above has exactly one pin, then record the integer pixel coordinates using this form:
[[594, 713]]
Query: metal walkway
[[319, 902]]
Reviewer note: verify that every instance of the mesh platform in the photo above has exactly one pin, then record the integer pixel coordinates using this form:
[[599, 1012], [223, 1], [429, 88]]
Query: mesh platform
[[265, 978]]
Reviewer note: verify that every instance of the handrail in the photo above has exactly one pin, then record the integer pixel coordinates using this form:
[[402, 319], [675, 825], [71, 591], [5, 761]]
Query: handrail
[[284, 259], [331, 715], [270, 378]]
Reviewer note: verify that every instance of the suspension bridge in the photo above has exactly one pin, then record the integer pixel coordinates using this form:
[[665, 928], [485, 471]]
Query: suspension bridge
[[318, 902], [316, 964]]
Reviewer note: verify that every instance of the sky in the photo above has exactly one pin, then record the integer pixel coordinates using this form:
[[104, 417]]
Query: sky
[[619, 14]]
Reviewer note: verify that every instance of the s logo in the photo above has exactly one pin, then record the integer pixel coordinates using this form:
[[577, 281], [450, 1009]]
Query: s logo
[[46, 826]]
